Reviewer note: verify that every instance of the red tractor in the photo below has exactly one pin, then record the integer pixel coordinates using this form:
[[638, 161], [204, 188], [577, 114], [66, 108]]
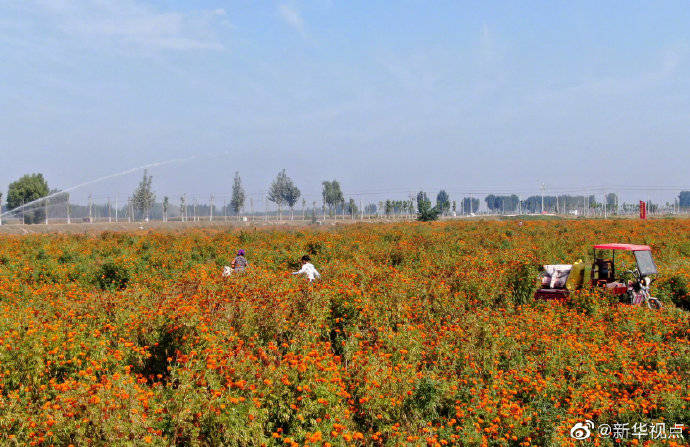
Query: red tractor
[[559, 280]]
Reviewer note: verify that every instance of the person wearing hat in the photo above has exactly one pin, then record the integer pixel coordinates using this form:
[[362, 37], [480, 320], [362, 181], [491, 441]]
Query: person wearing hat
[[238, 264]]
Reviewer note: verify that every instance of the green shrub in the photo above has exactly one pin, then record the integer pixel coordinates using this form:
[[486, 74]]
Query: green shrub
[[112, 276], [425, 401], [675, 289], [522, 283], [313, 247]]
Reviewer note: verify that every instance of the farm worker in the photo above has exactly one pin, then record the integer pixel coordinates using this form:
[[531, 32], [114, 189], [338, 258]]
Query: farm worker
[[238, 264], [308, 269]]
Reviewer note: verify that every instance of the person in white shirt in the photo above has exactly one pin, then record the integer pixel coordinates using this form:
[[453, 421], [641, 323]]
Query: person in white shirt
[[308, 269]]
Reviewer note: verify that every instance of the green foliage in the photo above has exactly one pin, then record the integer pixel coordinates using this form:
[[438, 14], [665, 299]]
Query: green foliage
[[675, 289], [313, 247], [237, 201], [111, 276], [351, 207], [143, 197], [425, 401], [443, 201], [183, 207], [684, 199], [470, 205], [410, 335], [166, 205], [27, 189], [502, 203], [522, 283], [283, 191], [332, 194], [425, 212]]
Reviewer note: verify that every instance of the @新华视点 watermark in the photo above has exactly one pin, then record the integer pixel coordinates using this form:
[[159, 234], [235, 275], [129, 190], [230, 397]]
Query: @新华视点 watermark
[[639, 430]]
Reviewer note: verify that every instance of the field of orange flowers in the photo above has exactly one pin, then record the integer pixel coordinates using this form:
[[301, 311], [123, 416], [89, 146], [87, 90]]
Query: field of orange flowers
[[416, 334]]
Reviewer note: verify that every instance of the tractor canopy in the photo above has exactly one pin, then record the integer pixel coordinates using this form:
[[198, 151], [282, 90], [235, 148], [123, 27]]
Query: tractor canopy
[[626, 247], [643, 256]]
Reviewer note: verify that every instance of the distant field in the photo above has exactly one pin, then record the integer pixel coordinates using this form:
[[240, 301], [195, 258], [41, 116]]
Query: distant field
[[416, 334], [76, 227], [99, 227]]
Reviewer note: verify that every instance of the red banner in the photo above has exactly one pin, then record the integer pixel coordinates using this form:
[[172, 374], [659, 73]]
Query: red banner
[[643, 210]]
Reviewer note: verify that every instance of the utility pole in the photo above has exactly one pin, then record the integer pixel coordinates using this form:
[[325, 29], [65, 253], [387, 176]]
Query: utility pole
[[605, 214], [110, 218], [583, 205], [251, 207], [116, 210], [90, 209], [210, 213], [45, 207], [263, 197], [543, 188]]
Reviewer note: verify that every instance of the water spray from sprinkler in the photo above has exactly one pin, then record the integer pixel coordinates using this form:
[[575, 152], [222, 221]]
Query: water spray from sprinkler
[[100, 179]]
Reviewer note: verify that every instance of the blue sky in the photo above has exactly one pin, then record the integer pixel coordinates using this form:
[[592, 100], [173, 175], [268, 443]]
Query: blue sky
[[384, 96]]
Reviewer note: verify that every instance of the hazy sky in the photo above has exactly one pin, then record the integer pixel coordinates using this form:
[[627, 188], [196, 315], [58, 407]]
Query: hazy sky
[[384, 96]]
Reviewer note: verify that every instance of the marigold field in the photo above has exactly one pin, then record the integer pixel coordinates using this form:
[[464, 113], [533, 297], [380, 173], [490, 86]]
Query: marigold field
[[416, 334]]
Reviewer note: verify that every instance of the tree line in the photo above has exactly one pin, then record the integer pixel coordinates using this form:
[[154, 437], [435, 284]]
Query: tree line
[[284, 193]]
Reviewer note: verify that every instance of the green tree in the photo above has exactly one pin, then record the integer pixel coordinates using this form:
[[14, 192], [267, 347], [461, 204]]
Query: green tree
[[491, 202], [389, 207], [425, 212], [332, 194], [442, 201], [237, 201], [143, 197], [292, 194], [611, 201], [27, 189], [684, 199], [183, 209], [283, 191], [470, 205], [352, 207]]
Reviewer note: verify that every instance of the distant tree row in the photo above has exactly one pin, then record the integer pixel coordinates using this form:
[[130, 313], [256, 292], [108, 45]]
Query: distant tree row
[[31, 188]]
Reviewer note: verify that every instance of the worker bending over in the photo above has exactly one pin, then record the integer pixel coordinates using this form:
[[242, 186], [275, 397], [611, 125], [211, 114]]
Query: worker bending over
[[308, 269]]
